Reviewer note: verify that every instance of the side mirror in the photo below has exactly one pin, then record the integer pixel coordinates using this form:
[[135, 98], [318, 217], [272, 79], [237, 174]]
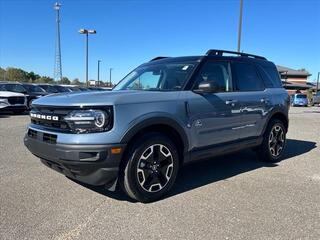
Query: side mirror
[[207, 87]]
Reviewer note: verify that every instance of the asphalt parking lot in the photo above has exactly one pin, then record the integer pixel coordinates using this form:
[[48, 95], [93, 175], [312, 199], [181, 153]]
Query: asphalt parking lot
[[230, 197]]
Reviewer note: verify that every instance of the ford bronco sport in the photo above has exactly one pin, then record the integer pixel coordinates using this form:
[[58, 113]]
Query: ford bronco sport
[[165, 113]]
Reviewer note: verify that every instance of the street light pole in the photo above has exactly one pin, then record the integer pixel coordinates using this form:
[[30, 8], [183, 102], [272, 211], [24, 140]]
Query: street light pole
[[110, 76], [240, 25], [87, 32], [87, 58], [317, 83], [99, 72]]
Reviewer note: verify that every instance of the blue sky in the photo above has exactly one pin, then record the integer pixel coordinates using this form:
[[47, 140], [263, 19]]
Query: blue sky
[[131, 32]]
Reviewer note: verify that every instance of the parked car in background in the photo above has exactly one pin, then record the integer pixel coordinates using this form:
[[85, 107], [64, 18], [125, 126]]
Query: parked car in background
[[34, 92], [97, 89], [75, 88], [62, 89], [316, 99], [17, 88], [12, 101], [299, 99], [48, 88]]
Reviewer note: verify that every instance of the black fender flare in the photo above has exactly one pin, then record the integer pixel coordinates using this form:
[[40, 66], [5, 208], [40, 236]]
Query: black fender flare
[[277, 110], [132, 131]]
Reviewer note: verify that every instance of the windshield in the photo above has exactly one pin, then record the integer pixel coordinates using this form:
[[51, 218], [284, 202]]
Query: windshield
[[49, 89], [157, 77], [301, 96], [13, 88], [33, 88], [61, 88]]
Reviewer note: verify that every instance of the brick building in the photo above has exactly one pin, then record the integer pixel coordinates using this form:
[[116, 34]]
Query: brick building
[[294, 80]]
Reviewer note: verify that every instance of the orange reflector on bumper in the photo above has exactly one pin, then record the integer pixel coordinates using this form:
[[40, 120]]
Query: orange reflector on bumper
[[116, 150]]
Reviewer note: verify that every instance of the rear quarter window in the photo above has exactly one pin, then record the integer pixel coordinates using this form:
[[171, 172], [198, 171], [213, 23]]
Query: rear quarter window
[[270, 76], [247, 77]]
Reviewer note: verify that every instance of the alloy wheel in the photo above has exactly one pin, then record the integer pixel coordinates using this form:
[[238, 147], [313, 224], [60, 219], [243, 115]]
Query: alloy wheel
[[155, 168], [276, 140]]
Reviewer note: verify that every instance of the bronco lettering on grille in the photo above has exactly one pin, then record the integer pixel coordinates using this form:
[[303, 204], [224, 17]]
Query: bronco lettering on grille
[[44, 117]]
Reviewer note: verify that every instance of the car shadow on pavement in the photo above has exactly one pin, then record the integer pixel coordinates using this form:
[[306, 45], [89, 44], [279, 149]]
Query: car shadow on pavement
[[221, 168], [208, 171]]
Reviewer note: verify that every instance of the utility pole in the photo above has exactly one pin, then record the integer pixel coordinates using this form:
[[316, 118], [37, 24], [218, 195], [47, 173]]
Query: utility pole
[[57, 63], [240, 25], [110, 76], [87, 32], [99, 72], [317, 83]]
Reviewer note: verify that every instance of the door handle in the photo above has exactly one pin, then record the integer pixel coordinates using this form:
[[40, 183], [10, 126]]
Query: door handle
[[231, 102], [264, 100]]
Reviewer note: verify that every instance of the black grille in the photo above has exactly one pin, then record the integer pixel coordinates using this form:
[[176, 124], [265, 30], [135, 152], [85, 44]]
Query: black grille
[[59, 125], [46, 137], [50, 138], [32, 133], [16, 100]]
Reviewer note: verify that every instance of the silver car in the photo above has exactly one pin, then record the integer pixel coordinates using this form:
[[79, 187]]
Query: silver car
[[316, 99]]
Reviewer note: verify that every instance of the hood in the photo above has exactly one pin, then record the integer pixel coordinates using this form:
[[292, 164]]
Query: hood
[[105, 98], [10, 94]]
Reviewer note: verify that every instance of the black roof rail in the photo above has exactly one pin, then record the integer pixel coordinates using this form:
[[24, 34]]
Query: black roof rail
[[157, 58], [215, 52]]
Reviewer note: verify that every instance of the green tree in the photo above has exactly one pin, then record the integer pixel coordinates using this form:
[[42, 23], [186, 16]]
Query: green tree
[[32, 76], [2, 74], [64, 80], [76, 82], [16, 74], [44, 79]]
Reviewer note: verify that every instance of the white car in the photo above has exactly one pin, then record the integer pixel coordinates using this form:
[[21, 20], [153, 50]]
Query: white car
[[11, 101]]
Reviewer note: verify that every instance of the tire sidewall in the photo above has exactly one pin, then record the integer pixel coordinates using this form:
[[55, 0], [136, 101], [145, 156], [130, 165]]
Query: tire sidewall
[[265, 146], [132, 186]]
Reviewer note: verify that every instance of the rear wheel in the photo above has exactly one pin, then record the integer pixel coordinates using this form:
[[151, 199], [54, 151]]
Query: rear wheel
[[274, 141], [151, 168]]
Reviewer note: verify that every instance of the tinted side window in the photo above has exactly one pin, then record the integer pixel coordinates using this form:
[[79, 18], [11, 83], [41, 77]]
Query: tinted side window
[[217, 72], [270, 76], [247, 78]]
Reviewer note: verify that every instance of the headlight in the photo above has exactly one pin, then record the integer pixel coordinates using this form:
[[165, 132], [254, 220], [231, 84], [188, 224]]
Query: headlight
[[90, 120]]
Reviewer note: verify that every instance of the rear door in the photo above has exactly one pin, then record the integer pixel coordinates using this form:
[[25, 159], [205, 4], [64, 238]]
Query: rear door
[[253, 97]]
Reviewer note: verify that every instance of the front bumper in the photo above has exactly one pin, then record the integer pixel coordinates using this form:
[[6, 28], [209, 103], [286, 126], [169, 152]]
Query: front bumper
[[91, 164], [14, 108]]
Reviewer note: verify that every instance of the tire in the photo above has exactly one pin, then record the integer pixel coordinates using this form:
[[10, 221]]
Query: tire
[[274, 142], [143, 178]]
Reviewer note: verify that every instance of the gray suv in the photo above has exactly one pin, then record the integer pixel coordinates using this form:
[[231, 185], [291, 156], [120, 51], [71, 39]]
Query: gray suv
[[165, 113]]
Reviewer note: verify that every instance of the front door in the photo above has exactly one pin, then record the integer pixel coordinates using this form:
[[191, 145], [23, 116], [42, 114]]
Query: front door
[[214, 118]]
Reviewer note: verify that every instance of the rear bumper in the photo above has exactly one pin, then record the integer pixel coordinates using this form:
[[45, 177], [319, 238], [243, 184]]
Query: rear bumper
[[91, 164]]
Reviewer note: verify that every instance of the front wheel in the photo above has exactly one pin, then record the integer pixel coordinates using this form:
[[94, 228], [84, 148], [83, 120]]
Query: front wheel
[[273, 143], [151, 168]]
